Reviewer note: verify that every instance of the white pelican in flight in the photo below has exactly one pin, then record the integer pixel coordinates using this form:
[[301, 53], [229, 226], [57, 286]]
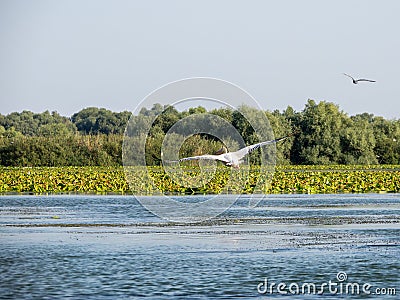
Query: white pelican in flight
[[355, 81], [231, 159]]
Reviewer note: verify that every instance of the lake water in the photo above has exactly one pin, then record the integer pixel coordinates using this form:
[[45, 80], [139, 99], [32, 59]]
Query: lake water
[[110, 247]]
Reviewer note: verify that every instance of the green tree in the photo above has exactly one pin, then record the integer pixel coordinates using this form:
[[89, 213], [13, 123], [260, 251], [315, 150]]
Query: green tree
[[224, 113], [358, 141], [319, 140], [53, 129], [167, 118], [94, 120], [387, 136], [281, 127]]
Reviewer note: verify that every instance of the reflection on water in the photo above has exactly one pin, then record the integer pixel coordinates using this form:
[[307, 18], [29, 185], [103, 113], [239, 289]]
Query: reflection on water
[[107, 247]]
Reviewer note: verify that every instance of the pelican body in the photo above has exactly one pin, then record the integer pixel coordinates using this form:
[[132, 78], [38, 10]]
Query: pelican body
[[231, 159], [355, 81]]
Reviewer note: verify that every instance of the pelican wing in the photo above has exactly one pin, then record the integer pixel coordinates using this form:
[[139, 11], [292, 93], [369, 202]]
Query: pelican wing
[[203, 157], [366, 80], [348, 75], [246, 150]]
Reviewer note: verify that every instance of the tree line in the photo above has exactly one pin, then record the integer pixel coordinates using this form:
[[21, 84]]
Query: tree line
[[94, 136]]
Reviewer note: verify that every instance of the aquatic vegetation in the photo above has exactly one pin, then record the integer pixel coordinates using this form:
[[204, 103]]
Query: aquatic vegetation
[[62, 180], [154, 180]]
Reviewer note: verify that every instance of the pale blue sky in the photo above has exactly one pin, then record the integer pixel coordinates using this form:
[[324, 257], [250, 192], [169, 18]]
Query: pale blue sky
[[66, 55]]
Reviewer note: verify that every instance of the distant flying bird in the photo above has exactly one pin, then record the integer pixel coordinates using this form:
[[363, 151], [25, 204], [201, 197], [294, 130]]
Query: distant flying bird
[[231, 159], [355, 81]]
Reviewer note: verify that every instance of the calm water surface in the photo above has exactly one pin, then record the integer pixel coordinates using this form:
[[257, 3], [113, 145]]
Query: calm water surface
[[110, 247]]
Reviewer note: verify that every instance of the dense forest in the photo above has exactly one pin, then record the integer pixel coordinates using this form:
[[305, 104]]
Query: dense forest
[[93, 136]]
